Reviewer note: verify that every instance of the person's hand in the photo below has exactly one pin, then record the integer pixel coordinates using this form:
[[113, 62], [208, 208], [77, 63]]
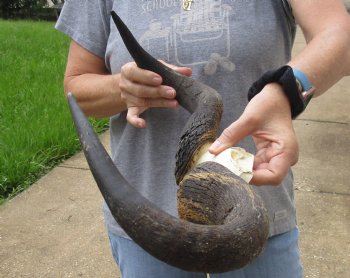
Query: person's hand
[[143, 89], [267, 118]]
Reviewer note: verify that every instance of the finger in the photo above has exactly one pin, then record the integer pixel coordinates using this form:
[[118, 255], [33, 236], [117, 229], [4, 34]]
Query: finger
[[133, 101], [266, 151], [272, 172], [133, 117], [232, 135], [146, 91], [132, 72], [182, 70], [265, 177], [268, 147]]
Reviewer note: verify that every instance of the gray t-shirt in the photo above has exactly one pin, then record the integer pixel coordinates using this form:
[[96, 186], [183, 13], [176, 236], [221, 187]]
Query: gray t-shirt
[[227, 43]]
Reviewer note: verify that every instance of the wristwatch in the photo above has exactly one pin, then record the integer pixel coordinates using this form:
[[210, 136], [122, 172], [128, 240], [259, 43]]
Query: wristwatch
[[304, 86], [295, 85]]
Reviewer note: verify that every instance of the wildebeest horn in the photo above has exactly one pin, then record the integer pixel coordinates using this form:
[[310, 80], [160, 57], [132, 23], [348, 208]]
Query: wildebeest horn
[[231, 223]]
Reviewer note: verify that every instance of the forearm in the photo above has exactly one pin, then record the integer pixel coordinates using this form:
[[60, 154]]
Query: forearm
[[87, 78], [326, 26], [97, 94], [326, 59]]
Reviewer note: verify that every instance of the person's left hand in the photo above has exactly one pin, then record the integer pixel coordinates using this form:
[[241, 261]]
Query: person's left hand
[[267, 118]]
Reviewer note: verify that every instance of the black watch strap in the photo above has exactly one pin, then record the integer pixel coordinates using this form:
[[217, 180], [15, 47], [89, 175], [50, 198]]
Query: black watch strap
[[285, 77]]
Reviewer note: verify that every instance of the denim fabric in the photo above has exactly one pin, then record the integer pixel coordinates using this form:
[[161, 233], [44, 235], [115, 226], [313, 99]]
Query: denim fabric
[[280, 258]]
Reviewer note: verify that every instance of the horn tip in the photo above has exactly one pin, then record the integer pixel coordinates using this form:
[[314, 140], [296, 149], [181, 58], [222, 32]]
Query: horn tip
[[114, 16]]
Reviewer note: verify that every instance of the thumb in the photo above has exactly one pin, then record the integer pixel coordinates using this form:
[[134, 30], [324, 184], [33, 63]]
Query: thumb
[[233, 134]]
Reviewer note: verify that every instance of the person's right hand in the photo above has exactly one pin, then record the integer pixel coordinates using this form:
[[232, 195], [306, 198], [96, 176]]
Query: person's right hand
[[142, 89]]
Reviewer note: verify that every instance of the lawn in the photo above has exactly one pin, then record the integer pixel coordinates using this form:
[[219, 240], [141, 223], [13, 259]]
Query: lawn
[[36, 131]]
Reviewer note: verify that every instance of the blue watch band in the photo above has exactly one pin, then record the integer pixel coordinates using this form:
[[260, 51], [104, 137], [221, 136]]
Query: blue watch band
[[302, 78], [307, 89]]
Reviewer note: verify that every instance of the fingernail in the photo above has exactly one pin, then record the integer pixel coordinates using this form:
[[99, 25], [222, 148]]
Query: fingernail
[[170, 93], [215, 145], [157, 79], [141, 124], [173, 104]]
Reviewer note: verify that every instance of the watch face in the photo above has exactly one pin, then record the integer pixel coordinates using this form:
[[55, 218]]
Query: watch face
[[300, 88], [307, 96]]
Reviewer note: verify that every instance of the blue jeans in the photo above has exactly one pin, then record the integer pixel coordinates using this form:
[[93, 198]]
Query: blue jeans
[[280, 258]]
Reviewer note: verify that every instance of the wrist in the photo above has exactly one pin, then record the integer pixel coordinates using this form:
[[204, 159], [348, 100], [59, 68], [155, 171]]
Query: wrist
[[285, 77], [276, 98], [276, 91]]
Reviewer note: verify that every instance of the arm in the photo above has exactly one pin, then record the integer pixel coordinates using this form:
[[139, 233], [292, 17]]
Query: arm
[[326, 27], [325, 60], [95, 89]]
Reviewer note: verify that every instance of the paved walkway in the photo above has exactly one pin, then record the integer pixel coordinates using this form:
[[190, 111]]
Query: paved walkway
[[55, 228]]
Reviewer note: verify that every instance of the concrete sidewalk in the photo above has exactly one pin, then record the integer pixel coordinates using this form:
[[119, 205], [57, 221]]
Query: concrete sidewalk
[[56, 229]]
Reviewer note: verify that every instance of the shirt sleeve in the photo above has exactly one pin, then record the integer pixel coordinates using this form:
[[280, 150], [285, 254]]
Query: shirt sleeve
[[288, 10], [87, 23]]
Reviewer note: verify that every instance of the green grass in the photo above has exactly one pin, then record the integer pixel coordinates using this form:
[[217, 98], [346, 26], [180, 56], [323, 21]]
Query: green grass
[[36, 130]]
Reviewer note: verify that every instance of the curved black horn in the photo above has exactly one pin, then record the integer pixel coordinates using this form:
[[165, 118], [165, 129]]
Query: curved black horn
[[229, 244], [192, 247]]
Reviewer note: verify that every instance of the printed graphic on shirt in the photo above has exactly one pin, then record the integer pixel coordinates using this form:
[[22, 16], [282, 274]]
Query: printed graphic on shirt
[[199, 34]]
